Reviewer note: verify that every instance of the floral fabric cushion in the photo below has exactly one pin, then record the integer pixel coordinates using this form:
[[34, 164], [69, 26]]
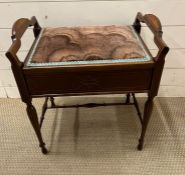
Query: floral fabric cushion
[[70, 45]]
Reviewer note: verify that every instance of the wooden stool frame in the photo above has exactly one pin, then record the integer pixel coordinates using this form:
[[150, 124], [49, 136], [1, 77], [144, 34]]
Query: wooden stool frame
[[90, 79]]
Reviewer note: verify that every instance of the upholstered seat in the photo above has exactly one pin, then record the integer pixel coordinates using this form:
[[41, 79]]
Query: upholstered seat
[[87, 45]]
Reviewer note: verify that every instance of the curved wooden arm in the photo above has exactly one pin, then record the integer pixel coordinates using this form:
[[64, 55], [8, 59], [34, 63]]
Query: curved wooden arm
[[18, 29], [155, 26]]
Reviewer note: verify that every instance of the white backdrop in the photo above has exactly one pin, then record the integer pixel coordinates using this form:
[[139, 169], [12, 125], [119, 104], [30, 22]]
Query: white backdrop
[[81, 12]]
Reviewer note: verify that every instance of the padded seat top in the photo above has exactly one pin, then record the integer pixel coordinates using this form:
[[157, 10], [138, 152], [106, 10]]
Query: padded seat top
[[87, 45]]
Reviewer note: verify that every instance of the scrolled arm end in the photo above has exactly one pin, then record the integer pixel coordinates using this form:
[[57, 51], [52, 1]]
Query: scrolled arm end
[[18, 29], [154, 23], [151, 21], [155, 26]]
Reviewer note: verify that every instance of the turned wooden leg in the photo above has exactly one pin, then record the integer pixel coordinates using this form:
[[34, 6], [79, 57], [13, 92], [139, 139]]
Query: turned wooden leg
[[146, 118], [32, 114], [44, 108], [128, 98], [52, 101]]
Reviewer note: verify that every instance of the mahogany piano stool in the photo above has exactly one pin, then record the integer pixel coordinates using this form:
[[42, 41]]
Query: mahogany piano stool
[[68, 61]]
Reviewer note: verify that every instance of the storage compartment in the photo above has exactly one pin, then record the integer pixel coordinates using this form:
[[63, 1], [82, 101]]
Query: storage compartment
[[90, 81]]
